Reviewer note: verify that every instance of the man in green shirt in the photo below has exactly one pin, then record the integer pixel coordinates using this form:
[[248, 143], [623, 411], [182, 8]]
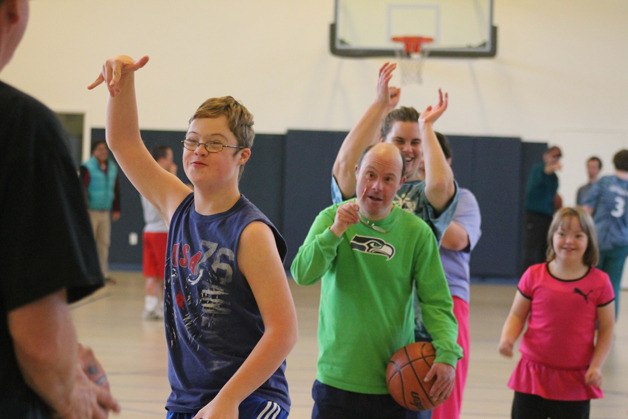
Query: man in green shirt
[[369, 255]]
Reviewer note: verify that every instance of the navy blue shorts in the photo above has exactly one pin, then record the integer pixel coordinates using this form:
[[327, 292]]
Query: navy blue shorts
[[253, 407], [333, 403]]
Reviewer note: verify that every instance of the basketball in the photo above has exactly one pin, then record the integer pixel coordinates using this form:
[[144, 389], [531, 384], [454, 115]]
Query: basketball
[[405, 373]]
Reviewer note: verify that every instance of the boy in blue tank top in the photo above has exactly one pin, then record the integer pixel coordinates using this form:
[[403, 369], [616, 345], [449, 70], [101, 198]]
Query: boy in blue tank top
[[229, 316]]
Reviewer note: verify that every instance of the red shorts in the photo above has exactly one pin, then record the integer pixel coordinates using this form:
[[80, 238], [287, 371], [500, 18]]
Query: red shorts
[[154, 254]]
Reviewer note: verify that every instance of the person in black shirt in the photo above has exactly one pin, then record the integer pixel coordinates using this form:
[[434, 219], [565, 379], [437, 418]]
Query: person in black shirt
[[48, 258]]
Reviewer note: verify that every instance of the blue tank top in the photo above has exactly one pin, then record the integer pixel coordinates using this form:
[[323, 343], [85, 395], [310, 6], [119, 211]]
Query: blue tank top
[[212, 320]]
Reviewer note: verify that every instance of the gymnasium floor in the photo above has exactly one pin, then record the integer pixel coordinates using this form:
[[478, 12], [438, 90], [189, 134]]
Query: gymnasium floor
[[133, 352]]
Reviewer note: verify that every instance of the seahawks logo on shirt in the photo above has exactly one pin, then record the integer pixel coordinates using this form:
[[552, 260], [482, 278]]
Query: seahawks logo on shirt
[[372, 245]]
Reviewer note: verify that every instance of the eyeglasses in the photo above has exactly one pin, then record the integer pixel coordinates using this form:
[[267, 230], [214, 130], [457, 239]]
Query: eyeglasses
[[210, 146]]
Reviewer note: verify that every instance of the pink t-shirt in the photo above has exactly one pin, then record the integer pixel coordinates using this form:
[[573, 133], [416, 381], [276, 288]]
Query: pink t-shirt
[[559, 339]]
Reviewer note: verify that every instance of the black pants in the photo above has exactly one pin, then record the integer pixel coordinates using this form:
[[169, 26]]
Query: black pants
[[334, 403], [529, 406], [535, 238]]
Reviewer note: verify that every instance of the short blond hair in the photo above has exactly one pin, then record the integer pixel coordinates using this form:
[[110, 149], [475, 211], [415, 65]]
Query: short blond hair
[[239, 119]]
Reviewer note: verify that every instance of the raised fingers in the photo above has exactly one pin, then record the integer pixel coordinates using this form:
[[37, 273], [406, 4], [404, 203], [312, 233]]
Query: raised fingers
[[114, 69], [387, 68], [431, 113], [383, 90], [443, 100], [96, 82], [140, 63]]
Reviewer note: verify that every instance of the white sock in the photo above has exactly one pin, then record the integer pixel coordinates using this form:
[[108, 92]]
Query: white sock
[[150, 302]]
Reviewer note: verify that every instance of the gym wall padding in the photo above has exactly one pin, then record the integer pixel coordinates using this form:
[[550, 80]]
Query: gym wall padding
[[490, 168], [310, 156], [288, 177], [263, 180]]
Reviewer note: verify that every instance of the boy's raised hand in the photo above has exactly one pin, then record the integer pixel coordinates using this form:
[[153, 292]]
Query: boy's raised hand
[[114, 68]]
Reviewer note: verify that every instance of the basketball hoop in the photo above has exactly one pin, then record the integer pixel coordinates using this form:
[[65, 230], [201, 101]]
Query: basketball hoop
[[411, 57]]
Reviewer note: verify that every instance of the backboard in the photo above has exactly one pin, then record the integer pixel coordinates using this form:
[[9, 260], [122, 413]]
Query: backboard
[[460, 28]]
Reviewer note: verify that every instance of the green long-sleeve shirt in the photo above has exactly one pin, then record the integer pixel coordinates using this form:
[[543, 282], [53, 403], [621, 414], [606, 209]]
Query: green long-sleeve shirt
[[366, 296]]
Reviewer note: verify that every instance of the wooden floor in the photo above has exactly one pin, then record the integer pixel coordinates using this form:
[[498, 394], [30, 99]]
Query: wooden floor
[[133, 352]]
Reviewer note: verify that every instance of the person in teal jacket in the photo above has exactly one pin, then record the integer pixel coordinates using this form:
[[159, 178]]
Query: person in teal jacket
[[99, 176], [539, 206], [369, 254]]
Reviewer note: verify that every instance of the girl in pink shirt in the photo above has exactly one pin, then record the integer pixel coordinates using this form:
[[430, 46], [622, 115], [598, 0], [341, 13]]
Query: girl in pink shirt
[[564, 301]]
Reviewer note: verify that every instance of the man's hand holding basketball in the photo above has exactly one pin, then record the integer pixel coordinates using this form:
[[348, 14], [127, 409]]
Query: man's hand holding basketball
[[444, 384]]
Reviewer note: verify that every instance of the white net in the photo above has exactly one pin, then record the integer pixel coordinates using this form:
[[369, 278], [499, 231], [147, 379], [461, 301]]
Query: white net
[[411, 65]]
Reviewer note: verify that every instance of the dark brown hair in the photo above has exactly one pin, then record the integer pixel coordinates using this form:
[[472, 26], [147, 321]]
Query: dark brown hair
[[403, 114]]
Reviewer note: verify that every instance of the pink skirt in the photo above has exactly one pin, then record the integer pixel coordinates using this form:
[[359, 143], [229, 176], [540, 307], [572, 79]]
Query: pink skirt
[[552, 383]]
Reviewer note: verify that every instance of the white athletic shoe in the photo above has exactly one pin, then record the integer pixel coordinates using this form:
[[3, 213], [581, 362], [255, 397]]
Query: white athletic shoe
[[153, 315]]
